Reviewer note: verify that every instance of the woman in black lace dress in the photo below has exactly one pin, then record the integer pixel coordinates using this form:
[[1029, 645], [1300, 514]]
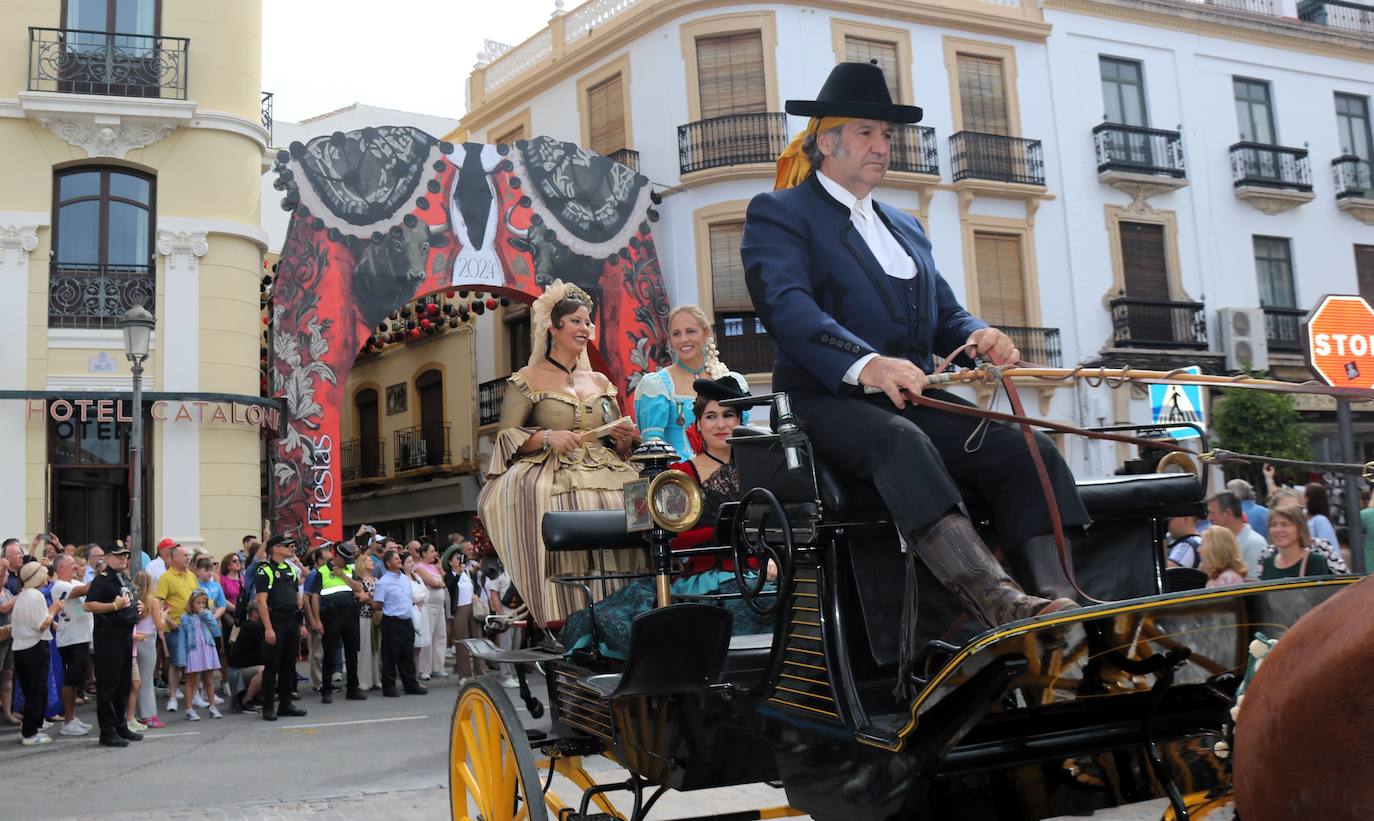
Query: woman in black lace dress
[[714, 470]]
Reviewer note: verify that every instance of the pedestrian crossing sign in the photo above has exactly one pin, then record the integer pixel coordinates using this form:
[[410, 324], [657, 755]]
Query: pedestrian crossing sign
[[1174, 404]]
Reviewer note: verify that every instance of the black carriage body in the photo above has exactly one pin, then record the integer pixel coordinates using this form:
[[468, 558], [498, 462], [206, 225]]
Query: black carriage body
[[1060, 714]]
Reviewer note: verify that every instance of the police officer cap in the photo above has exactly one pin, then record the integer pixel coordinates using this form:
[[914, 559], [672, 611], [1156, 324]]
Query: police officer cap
[[117, 547], [280, 538], [347, 550]]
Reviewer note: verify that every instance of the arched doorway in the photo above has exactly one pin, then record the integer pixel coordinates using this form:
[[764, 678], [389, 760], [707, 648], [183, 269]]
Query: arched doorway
[[383, 215]]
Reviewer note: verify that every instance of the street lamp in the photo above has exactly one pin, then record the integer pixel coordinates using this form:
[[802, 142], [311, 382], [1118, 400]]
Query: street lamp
[[137, 325]]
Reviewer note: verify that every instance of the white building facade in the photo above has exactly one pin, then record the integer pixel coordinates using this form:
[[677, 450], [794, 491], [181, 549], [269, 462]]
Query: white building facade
[[1002, 171]]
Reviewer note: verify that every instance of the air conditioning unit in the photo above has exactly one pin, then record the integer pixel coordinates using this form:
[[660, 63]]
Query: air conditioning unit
[[1243, 339]]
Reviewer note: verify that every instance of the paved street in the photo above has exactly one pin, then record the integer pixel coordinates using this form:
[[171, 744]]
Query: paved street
[[385, 758]]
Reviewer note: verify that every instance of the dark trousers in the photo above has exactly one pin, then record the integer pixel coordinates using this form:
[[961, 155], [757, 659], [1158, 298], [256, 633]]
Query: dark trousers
[[31, 673], [279, 660], [398, 642], [340, 625], [917, 459], [114, 666]]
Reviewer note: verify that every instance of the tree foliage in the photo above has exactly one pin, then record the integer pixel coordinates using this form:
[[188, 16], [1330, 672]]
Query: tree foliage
[[1261, 423]]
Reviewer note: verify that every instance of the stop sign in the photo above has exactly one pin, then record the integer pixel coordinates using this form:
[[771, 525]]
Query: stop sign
[[1339, 341]]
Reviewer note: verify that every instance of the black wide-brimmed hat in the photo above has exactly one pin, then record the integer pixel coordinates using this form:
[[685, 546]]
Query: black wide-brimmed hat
[[726, 387], [855, 90]]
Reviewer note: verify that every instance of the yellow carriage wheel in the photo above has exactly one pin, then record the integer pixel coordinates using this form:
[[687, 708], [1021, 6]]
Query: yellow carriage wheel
[[491, 772]]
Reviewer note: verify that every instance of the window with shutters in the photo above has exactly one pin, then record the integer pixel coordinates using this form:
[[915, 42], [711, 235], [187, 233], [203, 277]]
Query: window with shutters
[[606, 116], [1001, 280], [511, 130], [1144, 261], [1364, 271], [728, 293], [1254, 111], [983, 94], [864, 49], [1274, 267], [730, 74]]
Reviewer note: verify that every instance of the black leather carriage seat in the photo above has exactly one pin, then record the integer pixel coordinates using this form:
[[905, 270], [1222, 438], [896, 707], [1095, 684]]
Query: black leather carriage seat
[[588, 530], [1151, 495]]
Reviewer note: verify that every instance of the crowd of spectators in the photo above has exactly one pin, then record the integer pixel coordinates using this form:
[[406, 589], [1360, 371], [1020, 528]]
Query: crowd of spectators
[[198, 648]]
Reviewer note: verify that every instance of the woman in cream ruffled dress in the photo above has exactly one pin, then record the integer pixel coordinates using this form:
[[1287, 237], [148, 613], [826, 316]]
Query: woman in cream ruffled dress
[[541, 461]]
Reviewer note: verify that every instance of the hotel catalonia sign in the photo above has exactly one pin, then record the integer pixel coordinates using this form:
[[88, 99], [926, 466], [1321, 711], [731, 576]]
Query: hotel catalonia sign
[[162, 410]]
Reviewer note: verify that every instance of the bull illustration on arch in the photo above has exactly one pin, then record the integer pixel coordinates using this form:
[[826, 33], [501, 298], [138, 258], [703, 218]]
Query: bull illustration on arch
[[383, 215]]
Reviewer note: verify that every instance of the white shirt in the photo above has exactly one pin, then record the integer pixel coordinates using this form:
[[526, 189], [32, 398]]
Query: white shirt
[[30, 610], [155, 569], [76, 625], [464, 588], [1251, 546], [891, 256]]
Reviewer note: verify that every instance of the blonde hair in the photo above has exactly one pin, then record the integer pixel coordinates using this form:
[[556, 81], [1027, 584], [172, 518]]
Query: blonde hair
[[715, 369], [1220, 551]]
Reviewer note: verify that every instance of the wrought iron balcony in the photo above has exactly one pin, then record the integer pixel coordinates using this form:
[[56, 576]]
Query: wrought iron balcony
[[1270, 166], [1338, 14], [996, 157], [625, 156], [1147, 323], [1353, 177], [1038, 345], [423, 446], [267, 99], [1265, 7], [744, 345], [1282, 329], [489, 397], [914, 149], [362, 459], [77, 61], [735, 139], [96, 296], [1138, 150]]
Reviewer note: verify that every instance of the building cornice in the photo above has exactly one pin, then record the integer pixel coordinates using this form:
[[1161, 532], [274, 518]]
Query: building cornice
[[618, 32], [1213, 21]]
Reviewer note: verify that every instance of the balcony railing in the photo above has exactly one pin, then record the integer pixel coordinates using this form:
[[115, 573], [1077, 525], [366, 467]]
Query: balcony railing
[[1145, 323], [625, 156], [995, 157], [1266, 7], [1138, 150], [489, 397], [1353, 177], [1038, 345], [267, 99], [1282, 329], [1338, 14], [76, 61], [95, 296], [423, 446], [744, 345], [1270, 166], [914, 149], [362, 459], [735, 139]]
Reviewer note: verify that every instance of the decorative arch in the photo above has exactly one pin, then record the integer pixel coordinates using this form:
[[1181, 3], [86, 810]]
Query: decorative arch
[[381, 216]]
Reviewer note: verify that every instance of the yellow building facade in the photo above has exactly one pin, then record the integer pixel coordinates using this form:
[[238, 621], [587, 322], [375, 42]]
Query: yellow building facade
[[132, 141]]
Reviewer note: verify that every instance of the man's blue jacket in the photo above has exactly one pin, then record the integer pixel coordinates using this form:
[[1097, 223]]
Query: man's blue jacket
[[825, 299]]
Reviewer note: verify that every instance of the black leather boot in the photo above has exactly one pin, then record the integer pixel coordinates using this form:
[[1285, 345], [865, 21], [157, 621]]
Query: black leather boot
[[269, 710], [1036, 565], [957, 556]]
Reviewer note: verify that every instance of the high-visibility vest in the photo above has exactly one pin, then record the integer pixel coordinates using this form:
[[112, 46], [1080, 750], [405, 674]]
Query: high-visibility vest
[[332, 585]]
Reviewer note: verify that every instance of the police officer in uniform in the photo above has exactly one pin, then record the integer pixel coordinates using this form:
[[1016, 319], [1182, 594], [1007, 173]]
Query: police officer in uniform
[[338, 592], [277, 597], [111, 599]]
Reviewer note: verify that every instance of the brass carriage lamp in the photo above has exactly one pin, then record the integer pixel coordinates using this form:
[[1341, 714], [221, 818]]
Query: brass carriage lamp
[[673, 502]]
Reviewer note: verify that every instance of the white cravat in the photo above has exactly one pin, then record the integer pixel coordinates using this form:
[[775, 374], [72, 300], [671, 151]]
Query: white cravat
[[893, 258]]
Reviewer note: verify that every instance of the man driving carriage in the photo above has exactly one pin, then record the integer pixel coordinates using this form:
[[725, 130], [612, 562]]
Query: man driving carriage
[[848, 288]]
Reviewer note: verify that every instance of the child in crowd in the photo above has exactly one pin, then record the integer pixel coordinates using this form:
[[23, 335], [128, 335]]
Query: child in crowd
[[217, 605], [197, 638]]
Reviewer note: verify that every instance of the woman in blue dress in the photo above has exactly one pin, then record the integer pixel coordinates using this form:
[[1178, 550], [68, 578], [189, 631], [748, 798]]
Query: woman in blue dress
[[664, 398]]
